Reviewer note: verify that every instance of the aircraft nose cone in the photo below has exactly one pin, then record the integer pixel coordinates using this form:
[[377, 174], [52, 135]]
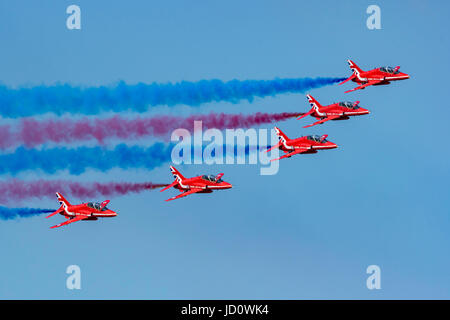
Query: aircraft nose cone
[[332, 145], [227, 185]]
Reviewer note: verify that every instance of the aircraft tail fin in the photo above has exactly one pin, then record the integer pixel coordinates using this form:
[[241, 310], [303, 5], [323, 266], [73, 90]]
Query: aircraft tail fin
[[313, 102], [355, 69], [177, 175], [64, 203], [281, 135]]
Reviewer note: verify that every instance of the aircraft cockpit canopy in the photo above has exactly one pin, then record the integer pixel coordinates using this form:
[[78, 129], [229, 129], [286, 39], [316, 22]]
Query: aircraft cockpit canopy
[[348, 104], [96, 206], [389, 70], [316, 138], [211, 177]]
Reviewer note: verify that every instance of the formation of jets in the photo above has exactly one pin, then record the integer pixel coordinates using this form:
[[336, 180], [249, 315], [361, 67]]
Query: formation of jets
[[302, 145], [337, 111]]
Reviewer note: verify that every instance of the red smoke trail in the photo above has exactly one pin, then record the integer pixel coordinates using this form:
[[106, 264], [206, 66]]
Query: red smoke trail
[[32, 132], [13, 191]]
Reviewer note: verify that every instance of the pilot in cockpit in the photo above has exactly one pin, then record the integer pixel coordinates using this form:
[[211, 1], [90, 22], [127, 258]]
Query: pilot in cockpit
[[212, 178], [96, 206], [389, 70], [348, 104]]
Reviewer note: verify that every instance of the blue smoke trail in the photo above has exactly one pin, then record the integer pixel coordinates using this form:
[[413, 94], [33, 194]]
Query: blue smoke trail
[[13, 213], [63, 98], [79, 159]]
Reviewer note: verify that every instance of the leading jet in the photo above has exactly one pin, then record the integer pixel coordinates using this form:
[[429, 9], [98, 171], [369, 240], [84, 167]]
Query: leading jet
[[374, 77]]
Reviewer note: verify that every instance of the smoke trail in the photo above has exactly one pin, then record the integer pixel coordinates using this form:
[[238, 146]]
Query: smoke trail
[[13, 213], [14, 191], [78, 160], [32, 132], [92, 100]]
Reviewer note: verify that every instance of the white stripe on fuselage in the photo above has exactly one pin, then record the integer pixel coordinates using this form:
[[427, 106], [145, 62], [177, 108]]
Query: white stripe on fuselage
[[344, 113], [188, 187], [321, 114], [306, 147], [284, 142], [399, 77], [383, 79], [103, 214], [66, 208], [182, 185]]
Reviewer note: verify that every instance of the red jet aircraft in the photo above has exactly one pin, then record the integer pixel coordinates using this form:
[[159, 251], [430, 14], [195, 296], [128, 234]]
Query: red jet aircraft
[[335, 111], [307, 144], [375, 77], [199, 184], [84, 211]]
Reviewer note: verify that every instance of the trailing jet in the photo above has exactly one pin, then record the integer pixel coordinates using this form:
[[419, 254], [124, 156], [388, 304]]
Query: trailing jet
[[306, 144], [199, 184], [84, 211], [374, 77], [335, 111]]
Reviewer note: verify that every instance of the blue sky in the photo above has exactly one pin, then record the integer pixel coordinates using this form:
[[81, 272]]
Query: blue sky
[[308, 232]]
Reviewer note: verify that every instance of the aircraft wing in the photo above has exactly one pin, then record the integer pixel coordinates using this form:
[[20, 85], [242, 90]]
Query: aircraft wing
[[186, 193], [169, 186], [297, 151], [370, 83], [56, 212], [273, 147], [348, 79], [322, 121], [304, 114], [77, 218]]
